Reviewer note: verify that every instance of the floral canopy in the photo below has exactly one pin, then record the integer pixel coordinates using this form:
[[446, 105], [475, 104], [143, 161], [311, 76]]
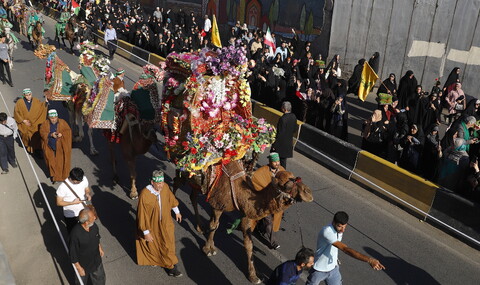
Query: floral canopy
[[206, 109]]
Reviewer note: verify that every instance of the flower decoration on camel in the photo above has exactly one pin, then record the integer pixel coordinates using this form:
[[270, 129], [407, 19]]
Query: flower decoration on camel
[[207, 112]]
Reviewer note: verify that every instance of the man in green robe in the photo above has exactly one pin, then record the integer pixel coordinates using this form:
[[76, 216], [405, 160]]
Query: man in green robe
[[61, 23], [35, 17]]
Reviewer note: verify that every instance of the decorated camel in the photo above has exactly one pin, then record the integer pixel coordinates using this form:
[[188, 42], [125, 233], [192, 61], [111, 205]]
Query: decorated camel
[[136, 114], [68, 33], [37, 35], [63, 84], [234, 192], [20, 14], [214, 141]]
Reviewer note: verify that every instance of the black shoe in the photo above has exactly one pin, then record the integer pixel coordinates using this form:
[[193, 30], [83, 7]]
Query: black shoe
[[4, 82], [174, 272], [5, 171], [14, 165], [11, 84]]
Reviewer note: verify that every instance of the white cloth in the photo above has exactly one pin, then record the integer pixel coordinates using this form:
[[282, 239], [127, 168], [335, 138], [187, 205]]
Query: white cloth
[[207, 26], [159, 199], [10, 128], [63, 191], [110, 34], [326, 256]]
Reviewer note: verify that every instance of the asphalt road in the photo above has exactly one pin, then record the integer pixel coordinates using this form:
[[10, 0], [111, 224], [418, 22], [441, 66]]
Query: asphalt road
[[412, 251]]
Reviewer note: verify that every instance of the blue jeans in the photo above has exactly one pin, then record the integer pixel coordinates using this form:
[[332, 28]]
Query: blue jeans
[[332, 277]]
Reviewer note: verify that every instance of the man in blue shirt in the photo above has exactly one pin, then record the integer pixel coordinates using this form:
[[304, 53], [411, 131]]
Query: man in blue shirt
[[326, 257], [289, 272]]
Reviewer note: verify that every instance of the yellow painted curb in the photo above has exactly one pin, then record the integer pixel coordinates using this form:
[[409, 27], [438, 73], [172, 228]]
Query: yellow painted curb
[[407, 186]]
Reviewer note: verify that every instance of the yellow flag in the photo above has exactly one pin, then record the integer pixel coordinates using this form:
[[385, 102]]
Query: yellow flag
[[215, 34], [367, 81]]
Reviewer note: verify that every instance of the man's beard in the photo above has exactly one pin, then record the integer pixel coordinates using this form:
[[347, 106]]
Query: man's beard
[[91, 224]]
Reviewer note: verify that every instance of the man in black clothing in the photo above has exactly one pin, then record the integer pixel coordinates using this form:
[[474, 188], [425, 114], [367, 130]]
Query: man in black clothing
[[286, 127], [289, 272], [84, 33], [85, 250]]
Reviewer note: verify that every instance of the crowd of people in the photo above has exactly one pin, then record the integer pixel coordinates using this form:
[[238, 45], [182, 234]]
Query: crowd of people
[[287, 72], [405, 129]]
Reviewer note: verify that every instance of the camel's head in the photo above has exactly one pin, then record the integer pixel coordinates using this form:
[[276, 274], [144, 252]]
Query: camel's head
[[287, 183]]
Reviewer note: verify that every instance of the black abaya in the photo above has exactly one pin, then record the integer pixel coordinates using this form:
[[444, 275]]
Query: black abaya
[[406, 89]]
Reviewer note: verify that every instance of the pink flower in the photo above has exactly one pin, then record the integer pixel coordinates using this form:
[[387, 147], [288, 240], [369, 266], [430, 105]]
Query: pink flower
[[263, 147]]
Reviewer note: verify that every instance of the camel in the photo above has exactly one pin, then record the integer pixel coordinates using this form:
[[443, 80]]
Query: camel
[[75, 116], [201, 181], [234, 192], [21, 18], [135, 141], [69, 33], [37, 35]]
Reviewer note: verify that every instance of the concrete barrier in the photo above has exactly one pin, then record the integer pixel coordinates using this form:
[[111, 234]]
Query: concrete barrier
[[155, 59], [127, 49], [457, 212], [414, 192], [312, 141], [272, 116], [140, 53]]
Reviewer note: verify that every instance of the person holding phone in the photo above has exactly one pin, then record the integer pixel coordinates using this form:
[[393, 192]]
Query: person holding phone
[[71, 195], [57, 146]]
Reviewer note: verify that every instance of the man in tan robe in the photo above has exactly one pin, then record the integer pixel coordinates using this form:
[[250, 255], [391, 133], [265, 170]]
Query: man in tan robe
[[260, 179], [155, 240], [57, 146], [29, 114], [118, 80]]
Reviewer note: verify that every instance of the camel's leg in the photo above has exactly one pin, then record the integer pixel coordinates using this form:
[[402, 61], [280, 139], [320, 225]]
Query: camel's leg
[[177, 181], [77, 125], [111, 147], [93, 150], [193, 198], [72, 120], [133, 176], [248, 243], [209, 248]]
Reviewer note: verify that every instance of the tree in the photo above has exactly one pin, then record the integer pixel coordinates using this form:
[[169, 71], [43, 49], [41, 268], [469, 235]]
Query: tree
[[302, 18], [309, 25], [273, 13]]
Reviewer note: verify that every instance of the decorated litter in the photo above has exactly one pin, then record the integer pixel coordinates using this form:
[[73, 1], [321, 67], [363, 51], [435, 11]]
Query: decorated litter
[[206, 110]]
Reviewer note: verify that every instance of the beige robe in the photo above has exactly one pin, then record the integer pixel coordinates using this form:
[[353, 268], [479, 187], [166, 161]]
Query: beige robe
[[260, 179], [37, 114], [58, 162], [117, 84], [161, 251]]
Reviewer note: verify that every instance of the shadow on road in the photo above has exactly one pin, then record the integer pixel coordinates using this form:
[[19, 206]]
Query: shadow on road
[[198, 267], [402, 272], [50, 236], [117, 216], [229, 244]]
